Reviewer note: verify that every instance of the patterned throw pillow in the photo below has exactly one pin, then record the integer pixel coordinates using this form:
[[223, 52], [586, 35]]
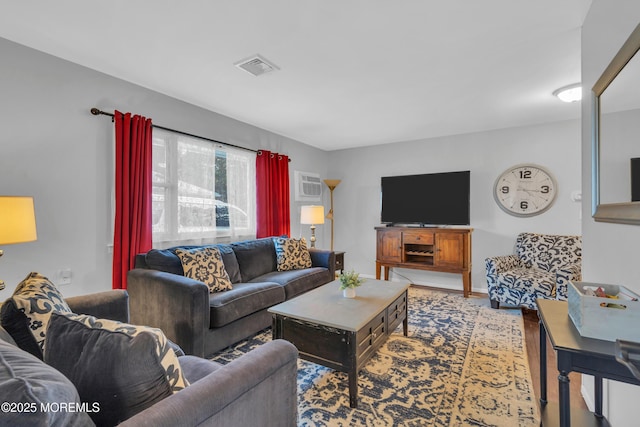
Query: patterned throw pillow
[[206, 266], [26, 314], [124, 368], [292, 254]]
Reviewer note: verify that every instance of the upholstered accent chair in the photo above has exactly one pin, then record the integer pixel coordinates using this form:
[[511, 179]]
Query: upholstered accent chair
[[541, 267]]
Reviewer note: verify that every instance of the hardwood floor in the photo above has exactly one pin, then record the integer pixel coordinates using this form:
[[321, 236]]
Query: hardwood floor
[[532, 338]]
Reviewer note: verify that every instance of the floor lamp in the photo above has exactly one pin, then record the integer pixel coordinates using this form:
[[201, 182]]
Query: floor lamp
[[17, 222], [332, 184]]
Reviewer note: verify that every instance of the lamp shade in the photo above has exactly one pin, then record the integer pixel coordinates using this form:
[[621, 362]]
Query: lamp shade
[[17, 220], [312, 215]]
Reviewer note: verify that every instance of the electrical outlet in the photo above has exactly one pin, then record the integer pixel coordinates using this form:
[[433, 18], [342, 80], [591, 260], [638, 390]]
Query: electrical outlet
[[64, 277]]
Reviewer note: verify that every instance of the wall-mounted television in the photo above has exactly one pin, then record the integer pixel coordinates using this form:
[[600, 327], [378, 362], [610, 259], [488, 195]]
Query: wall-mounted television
[[432, 199]]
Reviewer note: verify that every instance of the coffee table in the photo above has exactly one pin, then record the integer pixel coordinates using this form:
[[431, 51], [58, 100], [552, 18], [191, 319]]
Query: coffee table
[[342, 333]]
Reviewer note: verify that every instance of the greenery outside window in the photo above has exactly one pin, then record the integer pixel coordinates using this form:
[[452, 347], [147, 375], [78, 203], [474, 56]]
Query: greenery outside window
[[202, 192]]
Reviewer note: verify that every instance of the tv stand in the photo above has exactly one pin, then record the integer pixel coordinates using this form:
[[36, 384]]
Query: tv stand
[[433, 249]]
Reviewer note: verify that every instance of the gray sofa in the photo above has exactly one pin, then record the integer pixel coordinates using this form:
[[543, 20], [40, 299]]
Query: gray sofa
[[258, 388], [202, 323]]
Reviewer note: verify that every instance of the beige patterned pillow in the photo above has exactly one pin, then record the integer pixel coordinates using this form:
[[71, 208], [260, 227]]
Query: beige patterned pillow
[[206, 266], [26, 314], [292, 254]]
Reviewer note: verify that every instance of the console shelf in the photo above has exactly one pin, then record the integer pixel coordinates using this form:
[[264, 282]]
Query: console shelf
[[434, 249]]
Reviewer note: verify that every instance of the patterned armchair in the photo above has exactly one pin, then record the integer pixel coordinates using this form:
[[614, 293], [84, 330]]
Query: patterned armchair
[[542, 266]]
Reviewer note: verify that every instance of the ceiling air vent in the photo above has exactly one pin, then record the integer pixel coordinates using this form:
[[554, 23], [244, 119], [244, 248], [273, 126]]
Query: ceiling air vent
[[256, 65]]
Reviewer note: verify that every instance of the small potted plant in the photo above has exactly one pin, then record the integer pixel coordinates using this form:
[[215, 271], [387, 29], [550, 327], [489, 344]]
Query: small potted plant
[[349, 281]]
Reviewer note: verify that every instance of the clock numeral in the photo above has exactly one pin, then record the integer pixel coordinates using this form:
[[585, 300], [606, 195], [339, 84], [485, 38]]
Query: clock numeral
[[525, 174], [504, 190], [524, 205], [544, 189]]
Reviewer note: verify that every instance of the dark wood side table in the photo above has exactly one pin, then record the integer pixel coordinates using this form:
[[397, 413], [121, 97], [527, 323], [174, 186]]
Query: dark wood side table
[[339, 261], [574, 353]]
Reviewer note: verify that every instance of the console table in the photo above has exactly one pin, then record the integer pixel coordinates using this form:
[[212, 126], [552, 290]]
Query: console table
[[434, 249], [574, 354]]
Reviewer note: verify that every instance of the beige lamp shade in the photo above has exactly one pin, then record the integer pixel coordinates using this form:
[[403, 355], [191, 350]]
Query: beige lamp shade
[[312, 215], [17, 220]]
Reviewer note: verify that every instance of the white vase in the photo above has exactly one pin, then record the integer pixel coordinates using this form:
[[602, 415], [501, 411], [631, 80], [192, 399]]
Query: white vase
[[349, 293]]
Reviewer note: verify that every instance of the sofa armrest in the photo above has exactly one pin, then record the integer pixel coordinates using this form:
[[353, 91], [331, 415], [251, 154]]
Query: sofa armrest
[[113, 305], [571, 272], [258, 388], [177, 305], [323, 258], [500, 264]]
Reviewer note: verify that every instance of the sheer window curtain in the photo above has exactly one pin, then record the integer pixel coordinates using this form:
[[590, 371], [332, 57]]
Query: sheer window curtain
[[203, 192], [132, 219], [272, 189]]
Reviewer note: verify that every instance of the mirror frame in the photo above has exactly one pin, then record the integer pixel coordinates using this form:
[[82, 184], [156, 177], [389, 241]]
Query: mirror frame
[[626, 212]]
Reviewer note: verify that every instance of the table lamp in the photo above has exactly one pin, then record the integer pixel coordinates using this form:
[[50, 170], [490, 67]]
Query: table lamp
[[312, 215], [332, 184], [17, 222]]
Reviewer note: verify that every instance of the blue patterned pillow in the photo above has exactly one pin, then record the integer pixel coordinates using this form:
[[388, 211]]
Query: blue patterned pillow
[[26, 314], [205, 265], [292, 254]]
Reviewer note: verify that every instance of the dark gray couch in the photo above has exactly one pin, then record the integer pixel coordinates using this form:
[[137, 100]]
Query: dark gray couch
[[202, 323], [258, 388]]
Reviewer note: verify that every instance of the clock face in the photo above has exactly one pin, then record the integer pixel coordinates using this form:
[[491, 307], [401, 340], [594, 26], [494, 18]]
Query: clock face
[[525, 190]]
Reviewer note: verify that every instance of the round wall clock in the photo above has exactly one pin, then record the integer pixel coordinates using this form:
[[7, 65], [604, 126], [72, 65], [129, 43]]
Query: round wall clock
[[525, 190]]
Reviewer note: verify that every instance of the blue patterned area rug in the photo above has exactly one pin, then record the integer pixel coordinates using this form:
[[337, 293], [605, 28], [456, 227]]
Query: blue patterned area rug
[[463, 364]]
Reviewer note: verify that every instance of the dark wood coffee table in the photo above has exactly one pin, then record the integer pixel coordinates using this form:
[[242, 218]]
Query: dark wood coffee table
[[342, 333]]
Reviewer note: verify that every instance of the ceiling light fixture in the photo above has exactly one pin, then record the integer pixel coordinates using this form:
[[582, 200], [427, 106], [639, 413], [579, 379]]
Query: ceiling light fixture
[[571, 93]]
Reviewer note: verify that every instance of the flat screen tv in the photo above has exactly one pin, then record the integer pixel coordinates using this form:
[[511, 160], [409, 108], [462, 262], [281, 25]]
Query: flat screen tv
[[432, 199]]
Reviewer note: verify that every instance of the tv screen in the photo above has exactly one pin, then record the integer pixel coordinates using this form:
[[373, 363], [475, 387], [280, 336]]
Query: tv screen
[[427, 199]]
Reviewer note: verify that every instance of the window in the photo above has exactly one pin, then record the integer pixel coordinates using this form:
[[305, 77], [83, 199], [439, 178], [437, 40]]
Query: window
[[202, 192]]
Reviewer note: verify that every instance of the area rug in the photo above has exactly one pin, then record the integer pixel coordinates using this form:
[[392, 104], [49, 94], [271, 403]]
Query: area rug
[[463, 364]]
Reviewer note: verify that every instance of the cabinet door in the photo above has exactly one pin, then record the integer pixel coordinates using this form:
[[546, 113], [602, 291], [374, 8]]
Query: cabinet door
[[449, 250], [389, 246]]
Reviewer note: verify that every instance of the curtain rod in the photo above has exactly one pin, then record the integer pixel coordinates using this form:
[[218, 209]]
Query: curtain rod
[[97, 112]]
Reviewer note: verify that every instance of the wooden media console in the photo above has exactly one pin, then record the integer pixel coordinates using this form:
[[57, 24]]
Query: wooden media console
[[434, 249]]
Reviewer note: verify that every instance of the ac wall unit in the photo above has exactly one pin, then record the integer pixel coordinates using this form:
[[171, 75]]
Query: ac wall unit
[[308, 187]]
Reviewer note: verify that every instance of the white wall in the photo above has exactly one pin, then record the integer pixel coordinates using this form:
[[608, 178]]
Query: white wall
[[53, 149], [610, 250], [555, 146]]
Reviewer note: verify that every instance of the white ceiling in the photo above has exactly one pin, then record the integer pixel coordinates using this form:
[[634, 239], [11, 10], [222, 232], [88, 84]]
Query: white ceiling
[[352, 72]]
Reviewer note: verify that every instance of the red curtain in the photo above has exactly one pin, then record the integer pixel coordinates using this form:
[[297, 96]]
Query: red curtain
[[133, 227], [272, 191]]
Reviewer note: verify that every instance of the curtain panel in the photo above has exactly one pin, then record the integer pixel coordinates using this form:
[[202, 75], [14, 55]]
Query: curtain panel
[[272, 194], [133, 226]]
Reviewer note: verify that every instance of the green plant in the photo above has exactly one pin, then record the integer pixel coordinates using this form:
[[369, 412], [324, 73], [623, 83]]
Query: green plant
[[350, 279]]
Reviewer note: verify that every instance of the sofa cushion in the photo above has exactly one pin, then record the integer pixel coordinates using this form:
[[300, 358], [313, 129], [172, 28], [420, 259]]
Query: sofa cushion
[[255, 257], [529, 280], [26, 314], [206, 266], [548, 252], [296, 282], [26, 380], [167, 260], [244, 299], [291, 254], [122, 367]]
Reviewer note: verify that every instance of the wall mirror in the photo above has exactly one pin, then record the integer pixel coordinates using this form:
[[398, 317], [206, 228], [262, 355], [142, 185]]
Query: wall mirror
[[616, 136]]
